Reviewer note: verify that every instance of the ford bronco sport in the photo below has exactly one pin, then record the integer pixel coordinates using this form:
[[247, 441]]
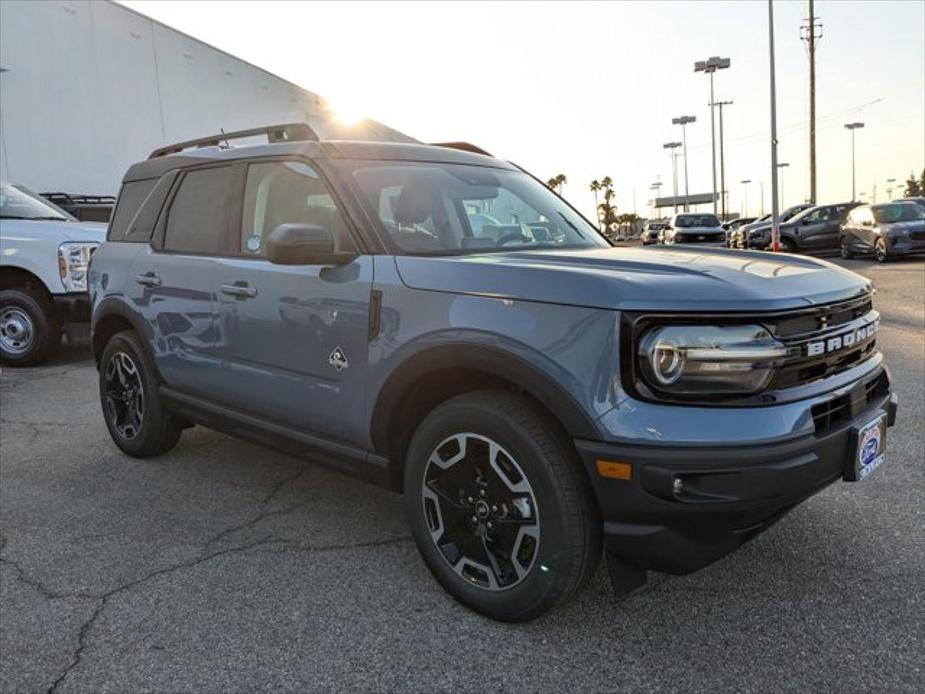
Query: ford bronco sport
[[436, 321]]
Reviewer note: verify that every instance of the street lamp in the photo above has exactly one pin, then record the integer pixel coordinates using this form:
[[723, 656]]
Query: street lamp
[[745, 197], [709, 66], [672, 148], [722, 158], [889, 187], [782, 165], [852, 127], [655, 187], [683, 121]]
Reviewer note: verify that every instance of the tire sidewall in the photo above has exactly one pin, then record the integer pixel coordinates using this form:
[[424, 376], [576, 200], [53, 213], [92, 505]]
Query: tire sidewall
[[43, 325], [880, 252], [555, 546], [845, 249]]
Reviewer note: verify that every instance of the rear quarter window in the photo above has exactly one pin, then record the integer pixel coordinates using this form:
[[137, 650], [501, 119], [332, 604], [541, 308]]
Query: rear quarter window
[[131, 197]]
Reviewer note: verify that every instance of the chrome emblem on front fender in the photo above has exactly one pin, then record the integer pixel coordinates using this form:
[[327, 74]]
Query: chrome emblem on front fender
[[338, 360]]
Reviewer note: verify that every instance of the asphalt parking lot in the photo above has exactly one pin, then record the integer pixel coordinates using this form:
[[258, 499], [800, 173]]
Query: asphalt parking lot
[[224, 567]]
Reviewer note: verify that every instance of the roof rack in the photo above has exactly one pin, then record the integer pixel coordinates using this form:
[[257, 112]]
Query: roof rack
[[464, 146], [286, 132]]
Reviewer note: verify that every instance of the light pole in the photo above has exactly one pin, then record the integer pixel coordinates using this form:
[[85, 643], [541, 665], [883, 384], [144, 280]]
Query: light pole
[[775, 211], [672, 148], [710, 66], [683, 121], [889, 187], [782, 165], [852, 127], [655, 187], [722, 159], [745, 196]]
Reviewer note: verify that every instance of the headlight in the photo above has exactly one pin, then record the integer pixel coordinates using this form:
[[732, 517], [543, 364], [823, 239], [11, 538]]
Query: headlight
[[709, 360], [73, 261]]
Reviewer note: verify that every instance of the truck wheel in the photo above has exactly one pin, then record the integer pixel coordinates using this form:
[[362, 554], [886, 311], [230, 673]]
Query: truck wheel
[[29, 331], [500, 507], [880, 252], [132, 407]]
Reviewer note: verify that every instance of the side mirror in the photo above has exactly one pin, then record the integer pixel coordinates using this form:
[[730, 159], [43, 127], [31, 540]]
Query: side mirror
[[304, 244]]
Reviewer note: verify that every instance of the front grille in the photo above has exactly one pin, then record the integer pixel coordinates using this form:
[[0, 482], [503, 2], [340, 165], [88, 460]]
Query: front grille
[[917, 235], [841, 330], [830, 414]]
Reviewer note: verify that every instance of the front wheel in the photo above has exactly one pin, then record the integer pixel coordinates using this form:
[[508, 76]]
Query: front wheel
[[132, 407], [880, 252], [500, 507], [29, 330], [787, 246]]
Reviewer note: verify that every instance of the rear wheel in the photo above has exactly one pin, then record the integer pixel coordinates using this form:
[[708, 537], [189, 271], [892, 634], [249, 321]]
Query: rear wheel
[[29, 330], [499, 506], [845, 248], [787, 246], [132, 407], [880, 252]]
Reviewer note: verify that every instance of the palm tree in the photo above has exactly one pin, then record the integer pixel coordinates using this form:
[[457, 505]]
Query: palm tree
[[562, 181], [552, 183], [595, 186]]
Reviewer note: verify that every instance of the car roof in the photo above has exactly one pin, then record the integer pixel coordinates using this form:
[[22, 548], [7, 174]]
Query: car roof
[[326, 149]]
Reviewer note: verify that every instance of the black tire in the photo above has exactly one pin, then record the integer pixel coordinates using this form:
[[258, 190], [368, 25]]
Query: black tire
[[880, 251], [567, 521], [845, 249], [787, 246], [29, 329], [152, 430]]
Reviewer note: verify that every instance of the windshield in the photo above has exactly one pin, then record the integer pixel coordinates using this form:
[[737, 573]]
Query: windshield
[[902, 212], [696, 220], [430, 208], [18, 203], [794, 212]]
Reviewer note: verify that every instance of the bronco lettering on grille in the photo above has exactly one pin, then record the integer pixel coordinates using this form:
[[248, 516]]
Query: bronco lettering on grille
[[843, 341]]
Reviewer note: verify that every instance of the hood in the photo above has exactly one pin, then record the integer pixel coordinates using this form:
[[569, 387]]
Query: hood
[[655, 279], [50, 230]]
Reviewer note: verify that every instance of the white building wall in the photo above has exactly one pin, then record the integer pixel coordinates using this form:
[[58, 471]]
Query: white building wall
[[88, 88]]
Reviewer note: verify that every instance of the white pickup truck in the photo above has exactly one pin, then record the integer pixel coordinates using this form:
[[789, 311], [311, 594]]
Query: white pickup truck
[[44, 254]]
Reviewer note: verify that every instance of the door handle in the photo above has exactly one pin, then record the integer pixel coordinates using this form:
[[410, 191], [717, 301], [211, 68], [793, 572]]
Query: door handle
[[149, 279], [240, 290]]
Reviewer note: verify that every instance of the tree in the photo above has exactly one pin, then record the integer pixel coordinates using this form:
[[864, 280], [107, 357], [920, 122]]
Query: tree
[[552, 183], [556, 182], [915, 188], [607, 211]]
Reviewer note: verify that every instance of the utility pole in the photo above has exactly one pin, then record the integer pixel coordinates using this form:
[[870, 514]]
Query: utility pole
[[722, 159], [809, 35]]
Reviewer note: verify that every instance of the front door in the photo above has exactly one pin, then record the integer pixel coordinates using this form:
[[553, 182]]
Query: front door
[[295, 336]]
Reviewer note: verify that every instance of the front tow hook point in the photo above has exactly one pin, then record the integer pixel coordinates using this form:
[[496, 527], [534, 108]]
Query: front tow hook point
[[624, 577]]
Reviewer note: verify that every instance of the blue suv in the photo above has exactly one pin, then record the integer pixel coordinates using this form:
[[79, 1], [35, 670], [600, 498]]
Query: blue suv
[[436, 321]]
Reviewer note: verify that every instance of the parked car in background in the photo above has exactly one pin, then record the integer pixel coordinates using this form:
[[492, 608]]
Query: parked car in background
[[694, 228], [887, 230], [651, 231], [86, 208], [739, 237], [813, 230], [737, 222], [918, 200], [44, 253]]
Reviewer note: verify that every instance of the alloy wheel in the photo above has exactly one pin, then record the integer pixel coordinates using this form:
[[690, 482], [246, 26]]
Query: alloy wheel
[[17, 332], [124, 395], [481, 511], [880, 251]]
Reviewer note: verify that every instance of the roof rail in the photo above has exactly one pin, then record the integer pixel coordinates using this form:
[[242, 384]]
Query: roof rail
[[464, 146], [286, 132]]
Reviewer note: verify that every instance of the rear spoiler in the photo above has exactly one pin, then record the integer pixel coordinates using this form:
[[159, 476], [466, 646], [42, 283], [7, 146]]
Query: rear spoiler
[[287, 132]]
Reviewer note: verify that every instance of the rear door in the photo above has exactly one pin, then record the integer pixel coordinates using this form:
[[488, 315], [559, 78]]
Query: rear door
[[171, 285], [294, 337]]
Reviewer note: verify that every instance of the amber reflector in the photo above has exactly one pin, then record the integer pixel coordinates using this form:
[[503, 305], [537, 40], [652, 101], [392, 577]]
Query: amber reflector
[[617, 471]]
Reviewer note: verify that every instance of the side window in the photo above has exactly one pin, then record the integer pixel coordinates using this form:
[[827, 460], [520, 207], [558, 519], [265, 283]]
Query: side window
[[130, 198], [287, 192], [199, 219]]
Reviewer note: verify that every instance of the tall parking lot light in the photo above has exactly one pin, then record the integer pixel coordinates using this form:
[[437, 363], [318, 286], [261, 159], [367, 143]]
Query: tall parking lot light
[[683, 121], [889, 187], [710, 66], [852, 127], [745, 183], [775, 210], [782, 165], [672, 148], [722, 159]]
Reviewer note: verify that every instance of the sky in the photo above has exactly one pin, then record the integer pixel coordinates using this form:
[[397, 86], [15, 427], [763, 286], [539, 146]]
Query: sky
[[589, 89]]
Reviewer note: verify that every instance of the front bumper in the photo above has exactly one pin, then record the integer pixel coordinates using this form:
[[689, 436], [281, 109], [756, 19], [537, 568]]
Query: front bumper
[[903, 245], [73, 307], [728, 494]]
